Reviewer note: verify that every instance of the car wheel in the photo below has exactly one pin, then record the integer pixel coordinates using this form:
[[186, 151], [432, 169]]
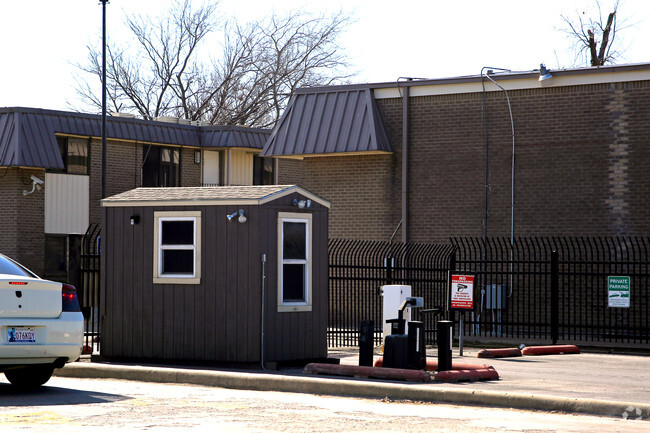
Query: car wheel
[[29, 377]]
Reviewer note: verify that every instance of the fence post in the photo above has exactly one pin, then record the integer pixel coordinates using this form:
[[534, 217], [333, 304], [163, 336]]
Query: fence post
[[555, 296], [388, 262]]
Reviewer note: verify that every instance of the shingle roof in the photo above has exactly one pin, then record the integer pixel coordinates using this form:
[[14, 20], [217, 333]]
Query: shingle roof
[[329, 121], [184, 196], [27, 135]]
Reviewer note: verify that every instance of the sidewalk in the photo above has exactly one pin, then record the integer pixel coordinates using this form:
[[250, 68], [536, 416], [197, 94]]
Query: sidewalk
[[598, 384]]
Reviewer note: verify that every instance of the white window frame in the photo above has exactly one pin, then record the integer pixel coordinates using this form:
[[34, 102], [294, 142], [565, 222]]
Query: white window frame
[[306, 305], [158, 276]]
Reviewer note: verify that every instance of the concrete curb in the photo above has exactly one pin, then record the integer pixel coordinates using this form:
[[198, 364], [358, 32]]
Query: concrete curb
[[550, 350], [499, 353], [350, 388], [368, 372]]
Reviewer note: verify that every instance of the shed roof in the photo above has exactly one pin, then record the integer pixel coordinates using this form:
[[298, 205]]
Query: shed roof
[[328, 122], [27, 135], [205, 196]]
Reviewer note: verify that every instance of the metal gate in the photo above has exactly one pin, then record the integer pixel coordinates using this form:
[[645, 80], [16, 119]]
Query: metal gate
[[88, 286], [358, 269]]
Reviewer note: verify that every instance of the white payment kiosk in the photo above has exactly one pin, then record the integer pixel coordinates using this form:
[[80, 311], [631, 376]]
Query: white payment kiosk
[[393, 296]]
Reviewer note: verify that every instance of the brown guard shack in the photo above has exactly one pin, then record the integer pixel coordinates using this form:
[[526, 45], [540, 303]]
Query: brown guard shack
[[185, 272]]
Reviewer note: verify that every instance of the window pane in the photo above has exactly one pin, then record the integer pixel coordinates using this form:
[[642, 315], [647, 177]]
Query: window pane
[[178, 262], [295, 241], [77, 156], [169, 167], [150, 166], [178, 233], [63, 144], [293, 283], [262, 171]]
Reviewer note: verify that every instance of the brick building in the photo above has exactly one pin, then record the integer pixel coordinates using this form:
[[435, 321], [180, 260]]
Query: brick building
[[51, 183], [438, 154]]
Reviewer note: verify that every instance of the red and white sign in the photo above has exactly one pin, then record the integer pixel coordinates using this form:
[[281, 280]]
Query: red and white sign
[[462, 292]]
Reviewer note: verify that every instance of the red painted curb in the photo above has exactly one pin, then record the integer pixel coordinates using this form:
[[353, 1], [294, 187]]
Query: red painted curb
[[466, 375], [432, 365], [550, 350], [374, 372], [499, 353]]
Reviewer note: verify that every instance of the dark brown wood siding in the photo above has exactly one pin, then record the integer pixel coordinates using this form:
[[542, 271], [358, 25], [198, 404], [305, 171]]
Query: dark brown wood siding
[[220, 318], [296, 335]]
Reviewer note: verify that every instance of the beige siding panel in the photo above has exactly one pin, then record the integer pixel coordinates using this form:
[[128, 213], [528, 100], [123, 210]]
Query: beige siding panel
[[210, 167], [67, 203], [241, 167]]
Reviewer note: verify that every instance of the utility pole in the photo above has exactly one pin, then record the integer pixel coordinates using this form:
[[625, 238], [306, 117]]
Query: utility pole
[[103, 2]]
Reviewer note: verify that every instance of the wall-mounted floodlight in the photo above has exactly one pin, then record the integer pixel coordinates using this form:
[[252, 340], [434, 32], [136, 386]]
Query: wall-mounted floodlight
[[301, 204], [242, 218], [545, 76], [36, 184]]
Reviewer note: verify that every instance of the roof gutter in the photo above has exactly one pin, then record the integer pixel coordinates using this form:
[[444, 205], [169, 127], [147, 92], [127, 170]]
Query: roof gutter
[[405, 160]]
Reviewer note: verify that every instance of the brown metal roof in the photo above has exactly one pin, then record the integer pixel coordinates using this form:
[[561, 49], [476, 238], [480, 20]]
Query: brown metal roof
[[329, 121], [28, 135], [187, 196], [234, 136]]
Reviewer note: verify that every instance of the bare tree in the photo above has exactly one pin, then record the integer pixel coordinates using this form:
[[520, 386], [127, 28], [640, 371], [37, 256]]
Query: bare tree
[[249, 80], [594, 37]]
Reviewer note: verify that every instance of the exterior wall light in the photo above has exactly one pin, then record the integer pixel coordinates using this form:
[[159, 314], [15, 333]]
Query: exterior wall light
[[301, 204], [135, 219], [197, 157], [545, 76], [242, 218]]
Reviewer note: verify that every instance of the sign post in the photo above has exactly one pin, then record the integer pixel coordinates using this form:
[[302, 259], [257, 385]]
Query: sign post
[[461, 291], [618, 292]]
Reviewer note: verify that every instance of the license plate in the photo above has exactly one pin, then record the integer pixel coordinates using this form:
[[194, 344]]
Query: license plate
[[21, 335]]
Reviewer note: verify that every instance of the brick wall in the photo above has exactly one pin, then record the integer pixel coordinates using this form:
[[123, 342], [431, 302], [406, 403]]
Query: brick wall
[[123, 171], [290, 172], [22, 224], [582, 158], [190, 172], [364, 203]]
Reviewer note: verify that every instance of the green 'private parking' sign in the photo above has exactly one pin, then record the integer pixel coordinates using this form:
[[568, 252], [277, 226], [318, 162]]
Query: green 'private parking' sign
[[618, 292]]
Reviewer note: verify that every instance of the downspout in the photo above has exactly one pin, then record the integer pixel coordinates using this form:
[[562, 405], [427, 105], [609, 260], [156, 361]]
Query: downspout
[[405, 160], [262, 318]]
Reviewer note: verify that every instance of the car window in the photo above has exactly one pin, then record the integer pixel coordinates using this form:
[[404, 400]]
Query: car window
[[10, 267]]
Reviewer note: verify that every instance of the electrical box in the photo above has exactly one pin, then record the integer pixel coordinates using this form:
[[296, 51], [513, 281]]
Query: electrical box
[[393, 296], [495, 297]]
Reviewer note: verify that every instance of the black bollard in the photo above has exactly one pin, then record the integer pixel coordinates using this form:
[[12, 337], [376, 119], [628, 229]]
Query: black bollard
[[445, 328], [366, 334], [416, 346]]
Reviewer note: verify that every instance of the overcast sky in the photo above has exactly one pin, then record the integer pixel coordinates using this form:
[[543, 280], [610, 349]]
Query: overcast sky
[[43, 39]]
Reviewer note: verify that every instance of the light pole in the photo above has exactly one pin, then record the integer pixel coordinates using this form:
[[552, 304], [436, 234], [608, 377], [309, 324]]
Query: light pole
[[487, 74], [103, 3]]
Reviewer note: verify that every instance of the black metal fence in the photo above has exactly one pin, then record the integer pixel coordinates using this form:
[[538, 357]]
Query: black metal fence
[[552, 289], [358, 269], [88, 286], [559, 289]]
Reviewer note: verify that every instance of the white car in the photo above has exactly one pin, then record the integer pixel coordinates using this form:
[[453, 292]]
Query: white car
[[41, 325]]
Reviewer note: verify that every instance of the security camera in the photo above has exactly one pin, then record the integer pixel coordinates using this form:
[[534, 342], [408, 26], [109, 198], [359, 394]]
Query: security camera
[[36, 184]]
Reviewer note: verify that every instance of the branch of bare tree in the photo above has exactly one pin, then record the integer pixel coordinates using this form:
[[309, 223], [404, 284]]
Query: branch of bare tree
[[248, 81]]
